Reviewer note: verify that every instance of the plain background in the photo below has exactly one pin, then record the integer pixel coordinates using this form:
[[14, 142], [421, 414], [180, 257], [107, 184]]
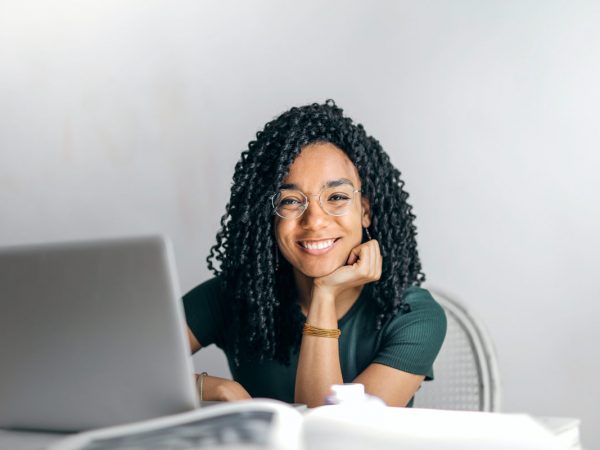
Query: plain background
[[124, 118]]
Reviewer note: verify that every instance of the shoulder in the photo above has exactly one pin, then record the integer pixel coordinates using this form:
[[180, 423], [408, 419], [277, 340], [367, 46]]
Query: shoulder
[[420, 299], [412, 340], [211, 288], [208, 299], [426, 318]]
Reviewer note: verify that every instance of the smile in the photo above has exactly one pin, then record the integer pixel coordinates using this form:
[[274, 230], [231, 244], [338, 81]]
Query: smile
[[317, 247]]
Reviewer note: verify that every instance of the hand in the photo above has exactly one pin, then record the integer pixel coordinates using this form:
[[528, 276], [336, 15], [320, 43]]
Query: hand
[[363, 266], [221, 389]]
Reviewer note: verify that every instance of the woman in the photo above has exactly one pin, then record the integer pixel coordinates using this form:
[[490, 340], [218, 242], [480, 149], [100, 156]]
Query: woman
[[319, 273]]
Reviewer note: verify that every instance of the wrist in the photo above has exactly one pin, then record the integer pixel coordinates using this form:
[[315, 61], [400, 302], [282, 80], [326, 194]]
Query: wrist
[[322, 310], [200, 385], [324, 294]]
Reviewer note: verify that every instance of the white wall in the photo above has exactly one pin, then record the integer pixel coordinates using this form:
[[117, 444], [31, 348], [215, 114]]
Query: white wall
[[118, 118]]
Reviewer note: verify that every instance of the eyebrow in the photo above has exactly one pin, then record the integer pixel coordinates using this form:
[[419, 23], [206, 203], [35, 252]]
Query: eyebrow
[[329, 184]]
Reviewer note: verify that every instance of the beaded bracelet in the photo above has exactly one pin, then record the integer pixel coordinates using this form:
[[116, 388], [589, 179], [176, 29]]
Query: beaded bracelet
[[321, 332]]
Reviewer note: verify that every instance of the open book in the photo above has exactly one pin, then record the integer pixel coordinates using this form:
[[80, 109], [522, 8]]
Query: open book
[[255, 424]]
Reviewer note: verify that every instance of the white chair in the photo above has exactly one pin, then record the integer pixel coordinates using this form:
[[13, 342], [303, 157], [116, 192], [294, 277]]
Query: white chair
[[466, 370]]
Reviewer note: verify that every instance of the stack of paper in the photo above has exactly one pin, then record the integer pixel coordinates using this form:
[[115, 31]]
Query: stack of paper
[[262, 424], [341, 427]]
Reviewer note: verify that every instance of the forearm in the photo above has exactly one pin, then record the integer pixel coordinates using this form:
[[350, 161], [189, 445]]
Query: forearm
[[319, 359], [221, 389]]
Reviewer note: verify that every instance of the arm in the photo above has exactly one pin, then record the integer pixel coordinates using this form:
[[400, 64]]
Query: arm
[[205, 318], [319, 363], [409, 348], [216, 388], [395, 387], [194, 344], [319, 360]]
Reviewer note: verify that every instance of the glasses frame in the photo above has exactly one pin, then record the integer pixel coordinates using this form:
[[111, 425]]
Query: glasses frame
[[305, 206]]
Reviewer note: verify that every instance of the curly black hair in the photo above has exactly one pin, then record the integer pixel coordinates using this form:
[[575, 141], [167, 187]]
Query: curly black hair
[[265, 318]]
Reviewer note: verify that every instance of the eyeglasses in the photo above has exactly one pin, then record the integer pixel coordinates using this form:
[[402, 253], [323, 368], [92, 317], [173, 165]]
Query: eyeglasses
[[335, 201]]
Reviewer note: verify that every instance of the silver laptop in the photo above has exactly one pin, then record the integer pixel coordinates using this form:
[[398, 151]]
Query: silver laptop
[[91, 334]]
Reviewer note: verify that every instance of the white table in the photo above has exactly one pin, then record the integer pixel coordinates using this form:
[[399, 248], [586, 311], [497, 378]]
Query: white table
[[566, 428]]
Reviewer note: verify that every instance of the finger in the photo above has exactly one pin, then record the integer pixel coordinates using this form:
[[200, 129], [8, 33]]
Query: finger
[[373, 261], [354, 255], [378, 260], [364, 260], [378, 267], [345, 275]]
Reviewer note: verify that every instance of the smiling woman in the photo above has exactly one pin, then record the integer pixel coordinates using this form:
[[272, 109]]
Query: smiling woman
[[319, 272], [330, 226]]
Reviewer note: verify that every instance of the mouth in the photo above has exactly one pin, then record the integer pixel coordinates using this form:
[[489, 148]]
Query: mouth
[[317, 247]]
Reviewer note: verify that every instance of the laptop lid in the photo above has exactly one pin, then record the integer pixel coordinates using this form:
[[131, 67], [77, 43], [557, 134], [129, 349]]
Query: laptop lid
[[92, 334]]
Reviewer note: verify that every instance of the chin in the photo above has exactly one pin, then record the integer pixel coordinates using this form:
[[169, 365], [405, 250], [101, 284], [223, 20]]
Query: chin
[[319, 271], [316, 273]]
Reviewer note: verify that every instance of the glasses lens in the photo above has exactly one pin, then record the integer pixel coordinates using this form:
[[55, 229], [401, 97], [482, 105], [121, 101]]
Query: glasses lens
[[289, 204], [337, 200]]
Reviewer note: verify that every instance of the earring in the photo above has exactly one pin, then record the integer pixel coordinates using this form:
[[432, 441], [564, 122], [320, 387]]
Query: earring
[[368, 234], [276, 258]]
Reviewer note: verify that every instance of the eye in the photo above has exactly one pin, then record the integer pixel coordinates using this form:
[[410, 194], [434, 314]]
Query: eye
[[290, 202], [338, 198]]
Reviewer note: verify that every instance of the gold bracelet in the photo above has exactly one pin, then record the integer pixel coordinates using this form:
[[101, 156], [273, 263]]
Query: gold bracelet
[[321, 332], [200, 384]]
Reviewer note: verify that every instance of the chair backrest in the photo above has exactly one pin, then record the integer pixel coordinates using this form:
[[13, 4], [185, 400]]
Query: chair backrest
[[466, 370]]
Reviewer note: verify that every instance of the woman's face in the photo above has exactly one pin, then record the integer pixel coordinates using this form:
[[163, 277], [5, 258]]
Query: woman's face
[[316, 243]]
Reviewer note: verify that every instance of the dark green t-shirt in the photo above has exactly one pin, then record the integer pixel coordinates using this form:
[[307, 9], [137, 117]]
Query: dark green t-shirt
[[409, 341]]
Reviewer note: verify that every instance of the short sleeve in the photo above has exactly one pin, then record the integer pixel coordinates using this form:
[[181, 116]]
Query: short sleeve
[[204, 314], [412, 340]]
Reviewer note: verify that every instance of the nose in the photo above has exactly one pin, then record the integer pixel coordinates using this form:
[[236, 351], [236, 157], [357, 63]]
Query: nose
[[314, 217]]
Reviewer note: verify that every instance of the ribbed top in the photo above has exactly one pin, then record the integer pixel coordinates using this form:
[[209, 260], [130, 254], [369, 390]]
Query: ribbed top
[[409, 341]]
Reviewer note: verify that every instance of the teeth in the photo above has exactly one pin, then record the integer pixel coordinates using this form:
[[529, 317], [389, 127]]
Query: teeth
[[317, 245]]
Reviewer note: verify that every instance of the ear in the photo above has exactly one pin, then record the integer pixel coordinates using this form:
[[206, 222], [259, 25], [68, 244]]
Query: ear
[[366, 212]]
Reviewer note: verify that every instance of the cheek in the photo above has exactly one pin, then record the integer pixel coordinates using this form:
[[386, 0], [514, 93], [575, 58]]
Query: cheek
[[354, 229], [282, 229]]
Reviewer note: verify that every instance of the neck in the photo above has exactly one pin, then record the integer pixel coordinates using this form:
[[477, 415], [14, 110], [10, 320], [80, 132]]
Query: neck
[[343, 301]]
